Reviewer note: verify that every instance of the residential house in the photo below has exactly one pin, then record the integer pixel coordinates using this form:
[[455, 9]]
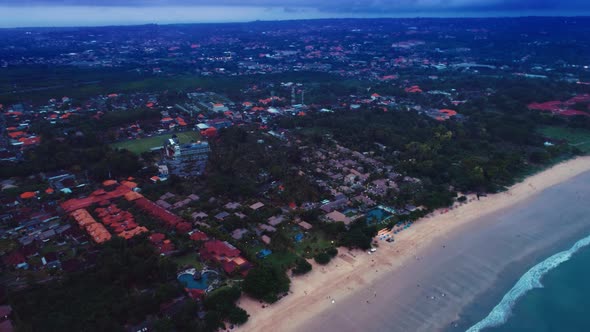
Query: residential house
[[337, 216], [256, 206], [226, 255]]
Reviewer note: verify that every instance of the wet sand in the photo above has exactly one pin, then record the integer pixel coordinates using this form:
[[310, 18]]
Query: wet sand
[[441, 265]]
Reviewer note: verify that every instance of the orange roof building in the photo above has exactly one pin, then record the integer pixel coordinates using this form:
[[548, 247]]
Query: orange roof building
[[108, 183], [209, 132], [28, 195], [414, 89], [96, 197], [132, 195], [445, 114], [129, 184], [133, 232], [448, 112], [180, 121], [97, 231], [30, 140], [16, 134]]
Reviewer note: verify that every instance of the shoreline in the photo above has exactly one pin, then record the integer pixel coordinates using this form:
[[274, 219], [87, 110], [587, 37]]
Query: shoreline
[[356, 276]]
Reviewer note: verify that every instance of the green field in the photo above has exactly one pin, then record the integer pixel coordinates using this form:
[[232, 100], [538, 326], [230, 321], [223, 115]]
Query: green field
[[38, 84], [138, 146], [281, 259], [579, 138], [190, 259], [312, 244]]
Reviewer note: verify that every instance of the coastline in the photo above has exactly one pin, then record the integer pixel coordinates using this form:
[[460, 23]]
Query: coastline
[[333, 297]]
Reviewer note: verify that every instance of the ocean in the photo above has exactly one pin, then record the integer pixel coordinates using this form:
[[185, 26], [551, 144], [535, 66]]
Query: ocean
[[522, 268], [554, 295]]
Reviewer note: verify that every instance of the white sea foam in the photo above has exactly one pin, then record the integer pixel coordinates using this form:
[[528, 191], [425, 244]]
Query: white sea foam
[[530, 280]]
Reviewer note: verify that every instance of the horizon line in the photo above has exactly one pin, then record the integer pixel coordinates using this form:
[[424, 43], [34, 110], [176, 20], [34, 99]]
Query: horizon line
[[295, 20]]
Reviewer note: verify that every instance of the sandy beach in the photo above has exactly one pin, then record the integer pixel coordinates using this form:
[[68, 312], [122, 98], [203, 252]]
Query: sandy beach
[[440, 265]]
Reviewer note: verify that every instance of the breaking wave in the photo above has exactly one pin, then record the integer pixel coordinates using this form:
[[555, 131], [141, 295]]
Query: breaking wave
[[530, 280]]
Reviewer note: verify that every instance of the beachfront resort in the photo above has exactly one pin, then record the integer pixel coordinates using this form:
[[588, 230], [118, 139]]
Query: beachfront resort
[[318, 175]]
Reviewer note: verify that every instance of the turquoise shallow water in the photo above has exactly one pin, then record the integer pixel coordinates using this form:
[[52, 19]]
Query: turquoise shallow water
[[552, 296], [189, 282], [376, 215]]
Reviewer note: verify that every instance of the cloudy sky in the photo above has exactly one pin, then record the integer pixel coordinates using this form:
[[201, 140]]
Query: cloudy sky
[[106, 12]]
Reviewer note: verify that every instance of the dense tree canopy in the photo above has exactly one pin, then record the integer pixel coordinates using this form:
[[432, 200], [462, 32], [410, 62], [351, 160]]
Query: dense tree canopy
[[302, 266], [104, 298], [222, 301], [266, 282], [240, 165]]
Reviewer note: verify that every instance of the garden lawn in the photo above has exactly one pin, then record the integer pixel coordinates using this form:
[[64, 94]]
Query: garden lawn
[[138, 146], [281, 259], [579, 138], [190, 259], [312, 243]]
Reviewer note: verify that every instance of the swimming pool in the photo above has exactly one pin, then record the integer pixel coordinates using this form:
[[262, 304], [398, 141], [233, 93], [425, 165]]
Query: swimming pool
[[376, 215], [189, 281]]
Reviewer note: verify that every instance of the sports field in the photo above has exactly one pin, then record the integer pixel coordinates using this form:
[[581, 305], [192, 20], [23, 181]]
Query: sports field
[[145, 144]]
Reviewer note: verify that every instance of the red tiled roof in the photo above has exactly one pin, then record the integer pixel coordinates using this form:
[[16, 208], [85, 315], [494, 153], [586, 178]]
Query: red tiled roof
[[584, 98], [389, 77], [229, 267], [129, 184], [562, 108], [219, 248], [30, 140], [414, 89], [157, 238], [209, 132], [448, 112], [16, 134], [198, 236], [573, 112], [107, 183], [227, 256], [14, 258], [96, 197], [133, 232], [183, 227], [166, 247], [28, 194], [150, 207]]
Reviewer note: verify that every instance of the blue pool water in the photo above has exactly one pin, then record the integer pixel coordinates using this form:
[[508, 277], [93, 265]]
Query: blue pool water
[[189, 282], [376, 215]]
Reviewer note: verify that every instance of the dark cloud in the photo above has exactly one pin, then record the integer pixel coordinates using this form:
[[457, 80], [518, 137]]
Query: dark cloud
[[26, 13], [351, 6], [454, 5]]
